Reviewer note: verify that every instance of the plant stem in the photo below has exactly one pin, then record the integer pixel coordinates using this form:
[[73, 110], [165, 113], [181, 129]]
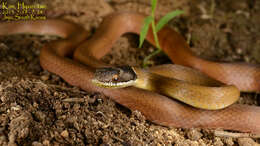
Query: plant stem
[[154, 32], [150, 56], [156, 43]]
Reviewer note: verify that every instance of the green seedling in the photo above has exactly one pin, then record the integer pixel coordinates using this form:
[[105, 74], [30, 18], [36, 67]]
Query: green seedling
[[150, 20]]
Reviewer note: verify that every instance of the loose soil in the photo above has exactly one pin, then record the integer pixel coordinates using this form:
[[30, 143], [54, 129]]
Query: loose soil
[[39, 108]]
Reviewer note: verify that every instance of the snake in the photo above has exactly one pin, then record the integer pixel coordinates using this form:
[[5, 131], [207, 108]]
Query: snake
[[173, 81], [75, 57]]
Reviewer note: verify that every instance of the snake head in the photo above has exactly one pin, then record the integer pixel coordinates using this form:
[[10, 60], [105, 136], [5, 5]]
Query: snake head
[[114, 77]]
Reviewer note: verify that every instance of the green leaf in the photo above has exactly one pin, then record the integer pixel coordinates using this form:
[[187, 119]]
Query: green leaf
[[154, 3], [165, 19], [144, 30]]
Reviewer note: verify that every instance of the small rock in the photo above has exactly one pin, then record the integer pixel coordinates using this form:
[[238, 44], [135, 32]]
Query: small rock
[[65, 133], [217, 142], [3, 140], [45, 77], [246, 142], [194, 134], [36, 143], [239, 51], [228, 141], [12, 144], [40, 116], [46, 142]]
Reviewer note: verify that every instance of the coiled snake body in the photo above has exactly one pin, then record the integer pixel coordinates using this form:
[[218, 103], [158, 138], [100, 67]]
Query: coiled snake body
[[157, 108]]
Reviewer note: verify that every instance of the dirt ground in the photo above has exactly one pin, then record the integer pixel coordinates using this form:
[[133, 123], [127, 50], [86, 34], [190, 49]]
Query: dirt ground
[[39, 108]]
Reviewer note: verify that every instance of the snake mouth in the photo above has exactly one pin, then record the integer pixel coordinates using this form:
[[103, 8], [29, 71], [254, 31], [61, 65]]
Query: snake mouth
[[114, 77], [113, 84]]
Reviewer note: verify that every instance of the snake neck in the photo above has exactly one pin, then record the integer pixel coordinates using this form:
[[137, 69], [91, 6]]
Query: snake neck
[[143, 80]]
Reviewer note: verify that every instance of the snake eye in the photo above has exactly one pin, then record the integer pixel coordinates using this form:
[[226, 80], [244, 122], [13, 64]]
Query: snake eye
[[115, 77]]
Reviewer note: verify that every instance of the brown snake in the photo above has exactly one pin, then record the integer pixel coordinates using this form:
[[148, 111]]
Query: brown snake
[[157, 108]]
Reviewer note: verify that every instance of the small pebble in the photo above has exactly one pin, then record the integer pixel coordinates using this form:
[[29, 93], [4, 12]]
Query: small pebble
[[239, 51], [246, 142], [194, 134], [228, 141], [45, 77], [217, 142], [65, 134], [36, 143], [46, 142]]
